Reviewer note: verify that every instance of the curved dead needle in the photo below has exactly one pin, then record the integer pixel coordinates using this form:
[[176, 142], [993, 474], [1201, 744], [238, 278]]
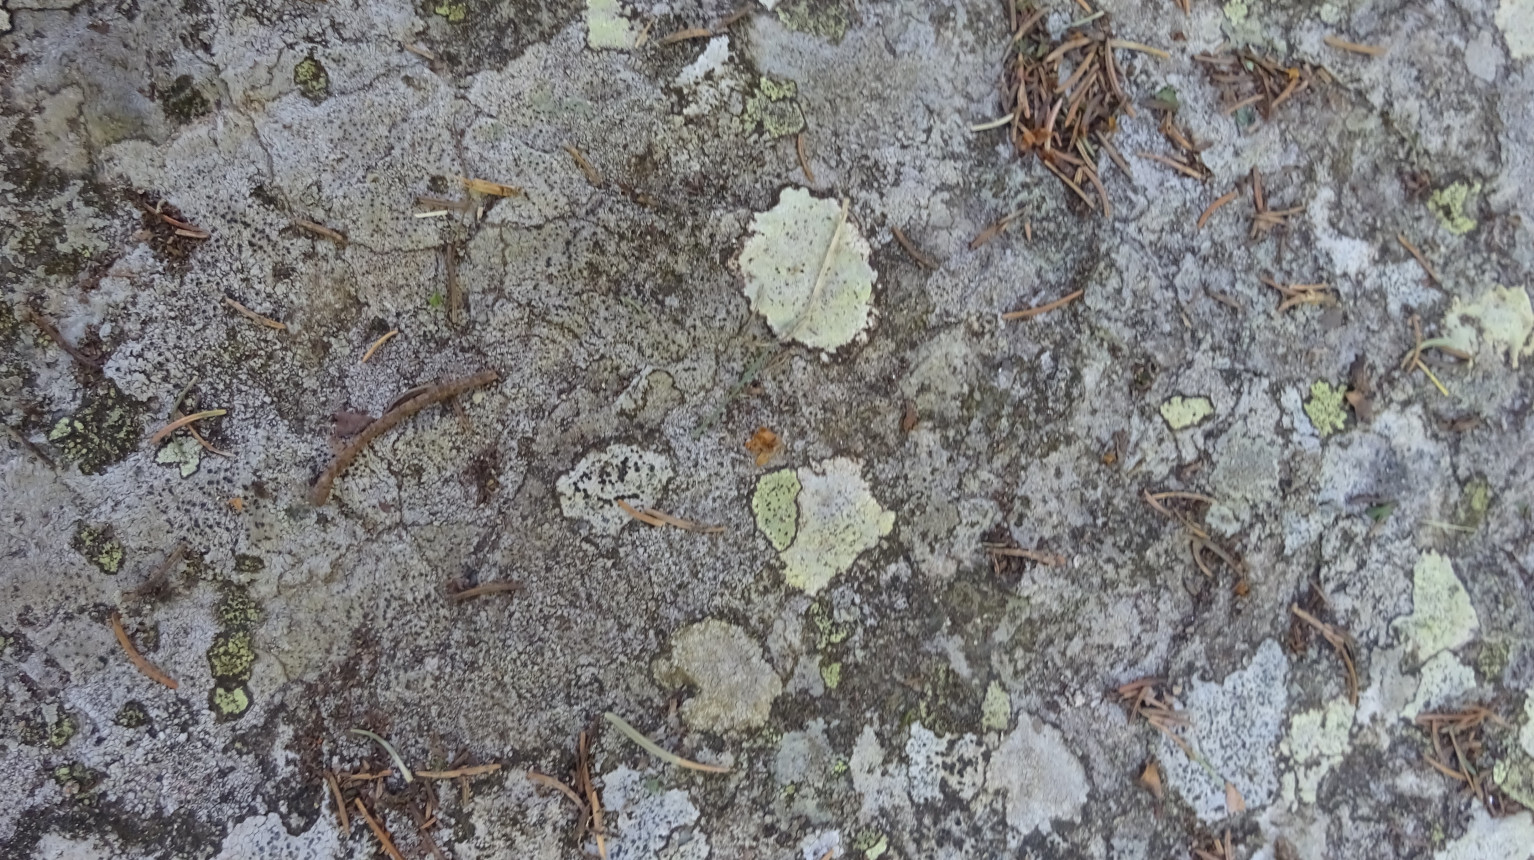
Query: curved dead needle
[[379, 832], [253, 316], [404, 771], [377, 344], [1340, 642], [183, 421], [654, 749], [387, 421], [1213, 207], [472, 770], [550, 782], [134, 657], [1029, 313], [650, 516]]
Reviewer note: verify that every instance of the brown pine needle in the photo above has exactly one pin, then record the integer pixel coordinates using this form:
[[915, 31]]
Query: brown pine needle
[[1339, 642], [1029, 313], [447, 390], [377, 344], [650, 516], [255, 317], [1214, 207], [182, 422], [547, 781], [685, 35], [1354, 47], [53, 334], [1048, 559], [483, 589], [1421, 260], [1126, 45], [920, 259], [485, 186], [655, 749], [474, 770], [379, 831], [804, 160], [1184, 169], [138, 660], [321, 230], [335, 791], [593, 177], [1295, 295]]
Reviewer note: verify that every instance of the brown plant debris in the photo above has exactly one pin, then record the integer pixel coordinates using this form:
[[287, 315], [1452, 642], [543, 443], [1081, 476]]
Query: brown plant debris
[[917, 256], [1181, 507], [1360, 394], [998, 551], [1150, 780], [1062, 94], [1341, 642], [457, 592], [157, 583], [804, 160], [1414, 357], [485, 186], [650, 516], [1149, 698], [1219, 849], [53, 334], [321, 230], [138, 660], [1265, 219], [378, 831], [1458, 747], [436, 394], [255, 317], [1354, 47], [335, 792], [1214, 207], [183, 421], [1030, 313], [455, 773], [593, 177], [588, 789], [1295, 295], [764, 445], [378, 344], [1248, 79], [1421, 260], [168, 232], [994, 229]]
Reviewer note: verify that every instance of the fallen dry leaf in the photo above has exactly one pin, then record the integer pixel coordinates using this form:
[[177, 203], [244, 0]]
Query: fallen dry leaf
[[765, 444], [1234, 803], [1150, 778]]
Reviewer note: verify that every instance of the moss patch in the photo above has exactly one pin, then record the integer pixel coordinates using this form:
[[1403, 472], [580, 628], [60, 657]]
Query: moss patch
[[97, 545], [1325, 408], [102, 432], [312, 80]]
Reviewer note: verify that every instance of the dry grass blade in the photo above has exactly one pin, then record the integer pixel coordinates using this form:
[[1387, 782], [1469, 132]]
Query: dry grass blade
[[138, 660], [379, 831], [547, 781], [685, 35], [1189, 170], [253, 316], [652, 517], [53, 334], [804, 160], [593, 177], [655, 749], [1029, 313], [183, 421], [321, 492], [588, 788]]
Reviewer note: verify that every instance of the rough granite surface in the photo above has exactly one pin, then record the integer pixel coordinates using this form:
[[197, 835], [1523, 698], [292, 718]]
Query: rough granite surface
[[906, 643]]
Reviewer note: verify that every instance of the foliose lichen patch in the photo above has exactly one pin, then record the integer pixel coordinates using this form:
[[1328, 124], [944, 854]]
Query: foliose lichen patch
[[838, 519], [1442, 616], [1181, 412], [591, 490], [736, 686]]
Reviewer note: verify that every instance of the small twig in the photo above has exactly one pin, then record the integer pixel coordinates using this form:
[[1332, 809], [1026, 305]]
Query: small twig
[[1125, 45], [1354, 47], [593, 178], [443, 203], [454, 288], [650, 516], [321, 230], [483, 589], [684, 35], [1339, 642], [379, 831], [134, 657], [424, 54], [1301, 294], [654, 749], [29, 445], [377, 344], [920, 259], [321, 492], [804, 160], [474, 770], [550, 782], [53, 335], [485, 186], [1421, 260], [335, 791], [255, 317], [593, 800], [1029, 313], [182, 422], [404, 771], [1213, 207]]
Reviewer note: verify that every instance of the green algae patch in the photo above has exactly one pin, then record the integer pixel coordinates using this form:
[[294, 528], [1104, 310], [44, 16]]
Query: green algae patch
[[776, 508], [606, 28], [97, 545], [1502, 316], [805, 267], [1325, 408], [1442, 617], [1183, 412], [1448, 204], [312, 80], [774, 108], [839, 519], [101, 433]]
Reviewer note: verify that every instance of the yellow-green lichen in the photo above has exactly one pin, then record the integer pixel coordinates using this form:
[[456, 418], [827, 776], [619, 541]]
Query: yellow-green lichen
[[62, 730], [453, 10], [776, 508], [1449, 205], [236, 610], [1503, 316], [231, 657], [101, 433], [1316, 742], [827, 19], [131, 716], [182, 452], [311, 79], [1442, 616], [76, 781], [1325, 408], [774, 108], [995, 708], [839, 519], [872, 843], [831, 673], [1236, 11], [97, 545], [229, 703], [828, 631], [606, 28], [1181, 412], [1474, 502]]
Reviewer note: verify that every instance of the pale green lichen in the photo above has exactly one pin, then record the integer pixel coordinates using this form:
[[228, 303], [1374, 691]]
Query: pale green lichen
[[736, 686], [231, 657], [831, 674], [839, 519], [312, 80], [774, 108], [828, 631], [775, 506], [1503, 316], [62, 730], [453, 10], [183, 452], [1442, 617], [995, 709], [1316, 743], [1325, 408], [1515, 18], [1449, 205], [806, 271], [229, 703], [606, 28], [99, 547], [827, 19], [1235, 11], [1475, 501], [1514, 773], [873, 845], [1181, 412]]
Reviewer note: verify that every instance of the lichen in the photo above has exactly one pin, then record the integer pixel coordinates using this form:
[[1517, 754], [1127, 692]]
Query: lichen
[[806, 271], [98, 546], [1325, 408], [311, 79], [182, 102], [1503, 316], [62, 730], [453, 10], [103, 431], [1515, 18], [229, 703], [236, 610], [1316, 743], [132, 715], [231, 657], [1181, 412], [1442, 616], [606, 28], [827, 19], [590, 490], [1449, 205], [839, 519], [831, 674], [183, 452], [1442, 680], [773, 108], [775, 506], [995, 708], [736, 686]]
